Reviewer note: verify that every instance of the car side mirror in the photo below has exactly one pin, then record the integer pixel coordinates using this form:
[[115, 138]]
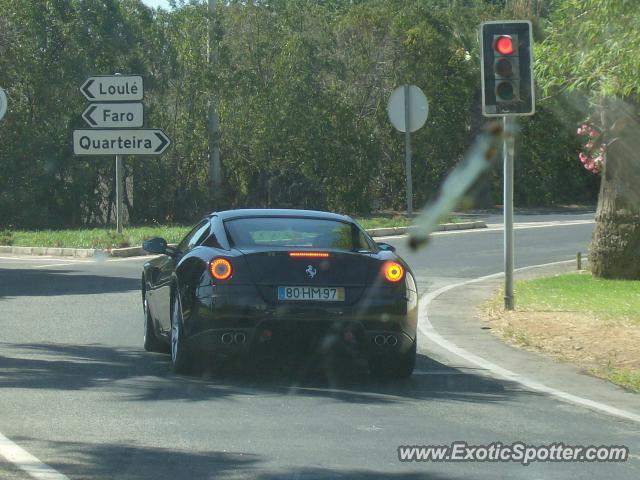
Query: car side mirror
[[155, 245], [386, 247]]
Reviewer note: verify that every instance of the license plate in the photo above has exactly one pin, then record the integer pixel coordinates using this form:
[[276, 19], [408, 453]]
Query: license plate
[[318, 294]]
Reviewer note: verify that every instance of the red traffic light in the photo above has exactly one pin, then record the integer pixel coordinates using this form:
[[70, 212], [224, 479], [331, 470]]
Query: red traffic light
[[504, 45]]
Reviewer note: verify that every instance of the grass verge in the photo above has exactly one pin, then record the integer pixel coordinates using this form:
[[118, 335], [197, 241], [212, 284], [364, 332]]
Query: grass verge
[[104, 238], [93, 237], [591, 322]]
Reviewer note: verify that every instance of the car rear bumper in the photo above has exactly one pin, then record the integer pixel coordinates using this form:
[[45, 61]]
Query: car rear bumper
[[381, 321], [351, 337]]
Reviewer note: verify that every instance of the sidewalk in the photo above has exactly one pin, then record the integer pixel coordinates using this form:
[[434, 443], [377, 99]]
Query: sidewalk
[[454, 317]]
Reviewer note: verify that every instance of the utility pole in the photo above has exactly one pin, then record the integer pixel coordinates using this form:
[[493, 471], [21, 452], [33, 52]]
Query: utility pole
[[214, 120]]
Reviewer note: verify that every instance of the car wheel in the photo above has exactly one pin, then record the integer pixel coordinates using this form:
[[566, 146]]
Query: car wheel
[[180, 355], [394, 366], [151, 342]]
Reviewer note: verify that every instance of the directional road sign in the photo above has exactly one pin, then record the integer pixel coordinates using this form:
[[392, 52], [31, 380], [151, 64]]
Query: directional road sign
[[114, 115], [3, 103], [144, 141], [113, 88]]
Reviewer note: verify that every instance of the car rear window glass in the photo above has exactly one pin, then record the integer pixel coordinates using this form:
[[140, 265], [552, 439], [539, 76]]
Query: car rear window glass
[[293, 232]]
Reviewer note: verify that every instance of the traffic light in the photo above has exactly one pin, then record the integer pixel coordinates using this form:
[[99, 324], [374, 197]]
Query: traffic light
[[507, 68]]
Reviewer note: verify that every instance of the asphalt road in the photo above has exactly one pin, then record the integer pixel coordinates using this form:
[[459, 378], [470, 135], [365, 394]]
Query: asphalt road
[[78, 391]]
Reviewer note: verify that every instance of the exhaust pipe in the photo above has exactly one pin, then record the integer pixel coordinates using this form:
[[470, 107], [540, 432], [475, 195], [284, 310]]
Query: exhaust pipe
[[392, 340], [380, 340], [226, 338], [240, 338]]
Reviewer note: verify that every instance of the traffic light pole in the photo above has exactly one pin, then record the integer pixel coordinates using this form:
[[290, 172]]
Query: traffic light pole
[[508, 153], [506, 64]]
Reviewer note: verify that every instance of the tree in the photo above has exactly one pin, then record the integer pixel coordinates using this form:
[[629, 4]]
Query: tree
[[592, 46], [302, 88]]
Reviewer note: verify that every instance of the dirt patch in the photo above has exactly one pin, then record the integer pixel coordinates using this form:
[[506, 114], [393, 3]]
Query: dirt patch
[[597, 345]]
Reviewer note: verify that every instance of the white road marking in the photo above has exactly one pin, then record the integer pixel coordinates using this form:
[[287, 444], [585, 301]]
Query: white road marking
[[52, 265], [427, 329], [525, 225], [27, 462], [38, 259], [76, 260], [493, 227], [126, 259], [437, 372]]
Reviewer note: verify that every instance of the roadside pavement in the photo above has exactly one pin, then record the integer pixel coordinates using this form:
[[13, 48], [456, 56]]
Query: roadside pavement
[[453, 332]]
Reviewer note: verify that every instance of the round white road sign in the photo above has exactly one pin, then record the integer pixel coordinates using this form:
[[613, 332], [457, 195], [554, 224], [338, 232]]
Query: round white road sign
[[418, 108], [3, 103]]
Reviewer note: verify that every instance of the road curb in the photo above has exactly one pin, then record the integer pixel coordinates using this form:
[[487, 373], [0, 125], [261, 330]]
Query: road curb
[[138, 251], [128, 252], [50, 251]]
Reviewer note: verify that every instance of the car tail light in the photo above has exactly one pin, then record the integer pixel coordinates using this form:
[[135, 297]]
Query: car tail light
[[309, 254], [220, 268], [393, 271]]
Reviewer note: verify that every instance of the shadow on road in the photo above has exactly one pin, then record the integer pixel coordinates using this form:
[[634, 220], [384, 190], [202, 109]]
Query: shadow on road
[[107, 460], [36, 283], [147, 377]]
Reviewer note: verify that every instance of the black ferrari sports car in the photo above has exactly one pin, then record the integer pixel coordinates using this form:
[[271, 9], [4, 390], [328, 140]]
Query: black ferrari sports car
[[246, 279]]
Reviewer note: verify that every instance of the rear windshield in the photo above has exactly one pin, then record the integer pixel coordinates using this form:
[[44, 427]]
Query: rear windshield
[[295, 232]]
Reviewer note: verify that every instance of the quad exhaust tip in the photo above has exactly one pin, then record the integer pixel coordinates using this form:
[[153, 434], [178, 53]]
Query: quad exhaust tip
[[226, 338], [229, 337], [390, 340]]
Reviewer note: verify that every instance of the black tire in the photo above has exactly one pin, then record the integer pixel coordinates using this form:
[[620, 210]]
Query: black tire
[[181, 357], [150, 340], [394, 366]]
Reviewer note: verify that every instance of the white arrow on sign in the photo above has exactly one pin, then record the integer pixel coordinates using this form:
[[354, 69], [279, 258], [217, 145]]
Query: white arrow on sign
[[3, 103], [113, 88], [114, 115], [143, 141]]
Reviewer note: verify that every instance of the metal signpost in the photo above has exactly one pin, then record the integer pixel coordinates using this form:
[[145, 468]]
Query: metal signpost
[[3, 103], [115, 116], [507, 92], [408, 110]]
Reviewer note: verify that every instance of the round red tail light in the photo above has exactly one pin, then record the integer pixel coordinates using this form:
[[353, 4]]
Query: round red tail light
[[220, 268], [393, 271]]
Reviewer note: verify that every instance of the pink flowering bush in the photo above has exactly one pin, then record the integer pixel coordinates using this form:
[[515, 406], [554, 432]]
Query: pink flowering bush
[[593, 156]]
